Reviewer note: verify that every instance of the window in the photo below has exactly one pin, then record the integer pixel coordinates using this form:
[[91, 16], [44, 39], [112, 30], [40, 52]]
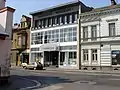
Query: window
[[72, 55], [19, 41], [111, 29], [22, 24], [72, 58], [94, 32], [85, 54], [23, 40], [94, 55], [85, 33]]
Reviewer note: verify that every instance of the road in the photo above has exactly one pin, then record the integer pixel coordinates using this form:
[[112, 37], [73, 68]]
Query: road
[[59, 80]]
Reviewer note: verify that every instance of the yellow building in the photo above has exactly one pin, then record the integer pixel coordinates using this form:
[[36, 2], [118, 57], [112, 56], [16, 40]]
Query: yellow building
[[20, 41]]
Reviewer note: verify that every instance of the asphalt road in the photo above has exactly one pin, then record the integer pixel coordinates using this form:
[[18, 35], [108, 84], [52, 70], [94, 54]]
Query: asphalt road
[[59, 80]]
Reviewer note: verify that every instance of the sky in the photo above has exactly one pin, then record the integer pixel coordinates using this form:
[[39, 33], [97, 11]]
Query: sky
[[24, 7]]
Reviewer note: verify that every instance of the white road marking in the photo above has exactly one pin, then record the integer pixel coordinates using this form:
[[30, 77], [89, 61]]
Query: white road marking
[[38, 84], [114, 79], [53, 87], [99, 74]]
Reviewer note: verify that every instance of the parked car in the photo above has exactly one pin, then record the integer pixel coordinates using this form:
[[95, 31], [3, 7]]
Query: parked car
[[24, 65], [34, 65]]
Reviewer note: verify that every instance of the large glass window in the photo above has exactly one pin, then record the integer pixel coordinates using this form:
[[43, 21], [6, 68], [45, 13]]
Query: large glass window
[[94, 55], [85, 33], [85, 54], [94, 32], [37, 38], [58, 35], [72, 58], [111, 29]]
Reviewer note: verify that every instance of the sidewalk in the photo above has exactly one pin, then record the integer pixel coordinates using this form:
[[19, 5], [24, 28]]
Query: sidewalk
[[84, 71], [48, 69]]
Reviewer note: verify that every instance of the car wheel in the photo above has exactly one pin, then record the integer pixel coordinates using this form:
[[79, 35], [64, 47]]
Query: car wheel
[[25, 67], [34, 68]]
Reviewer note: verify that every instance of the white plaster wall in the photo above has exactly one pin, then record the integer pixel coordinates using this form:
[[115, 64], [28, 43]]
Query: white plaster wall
[[6, 19], [9, 22], [104, 24], [89, 24], [3, 17]]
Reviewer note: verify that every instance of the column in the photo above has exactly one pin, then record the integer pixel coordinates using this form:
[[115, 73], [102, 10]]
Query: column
[[55, 21], [75, 18], [51, 21], [65, 19], [71, 18], [46, 23], [90, 57], [42, 24], [79, 45], [39, 23], [66, 59], [60, 20], [59, 59]]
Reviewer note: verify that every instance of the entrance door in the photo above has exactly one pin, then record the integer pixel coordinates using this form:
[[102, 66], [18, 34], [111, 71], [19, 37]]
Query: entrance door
[[51, 58]]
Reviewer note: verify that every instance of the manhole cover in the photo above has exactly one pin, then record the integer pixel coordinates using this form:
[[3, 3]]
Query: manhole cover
[[86, 82]]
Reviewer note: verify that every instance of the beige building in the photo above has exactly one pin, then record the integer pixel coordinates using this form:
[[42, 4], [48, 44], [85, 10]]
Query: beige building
[[20, 41]]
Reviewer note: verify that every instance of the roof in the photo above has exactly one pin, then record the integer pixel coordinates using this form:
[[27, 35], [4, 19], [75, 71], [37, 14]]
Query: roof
[[3, 34], [57, 6], [27, 18], [102, 9]]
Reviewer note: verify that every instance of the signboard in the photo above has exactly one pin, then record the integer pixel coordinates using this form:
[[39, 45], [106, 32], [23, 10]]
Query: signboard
[[115, 57], [49, 47]]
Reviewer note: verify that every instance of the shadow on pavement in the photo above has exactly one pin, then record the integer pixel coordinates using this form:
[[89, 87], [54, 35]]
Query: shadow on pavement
[[18, 82]]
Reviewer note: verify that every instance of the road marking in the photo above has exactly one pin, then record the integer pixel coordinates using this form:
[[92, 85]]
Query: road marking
[[99, 74], [114, 79], [53, 87], [38, 84]]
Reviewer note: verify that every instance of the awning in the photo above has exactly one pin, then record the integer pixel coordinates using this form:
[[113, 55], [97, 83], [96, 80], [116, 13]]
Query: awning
[[26, 51]]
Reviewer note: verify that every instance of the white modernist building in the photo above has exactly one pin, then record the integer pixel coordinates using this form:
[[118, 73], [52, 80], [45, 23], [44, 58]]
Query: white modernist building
[[54, 35], [100, 38]]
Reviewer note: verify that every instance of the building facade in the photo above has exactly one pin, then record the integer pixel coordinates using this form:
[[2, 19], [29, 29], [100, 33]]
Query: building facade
[[54, 35], [6, 20], [100, 38], [21, 41]]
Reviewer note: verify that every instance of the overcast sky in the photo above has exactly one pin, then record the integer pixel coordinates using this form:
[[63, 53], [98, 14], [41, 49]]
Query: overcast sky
[[27, 6]]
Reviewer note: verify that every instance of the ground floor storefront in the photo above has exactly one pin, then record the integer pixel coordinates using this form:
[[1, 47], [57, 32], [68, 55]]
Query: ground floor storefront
[[62, 57], [100, 56], [18, 57]]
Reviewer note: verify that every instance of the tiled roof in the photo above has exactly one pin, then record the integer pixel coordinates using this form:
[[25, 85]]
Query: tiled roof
[[102, 9]]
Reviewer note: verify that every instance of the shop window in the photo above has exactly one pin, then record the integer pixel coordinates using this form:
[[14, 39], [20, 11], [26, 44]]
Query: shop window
[[115, 57], [72, 58]]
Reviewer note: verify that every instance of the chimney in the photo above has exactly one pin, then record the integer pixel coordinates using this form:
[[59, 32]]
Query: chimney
[[2, 3], [113, 2]]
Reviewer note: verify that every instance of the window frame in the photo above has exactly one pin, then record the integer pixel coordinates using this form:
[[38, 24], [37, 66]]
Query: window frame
[[85, 33], [93, 32], [94, 54], [112, 30], [85, 55]]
